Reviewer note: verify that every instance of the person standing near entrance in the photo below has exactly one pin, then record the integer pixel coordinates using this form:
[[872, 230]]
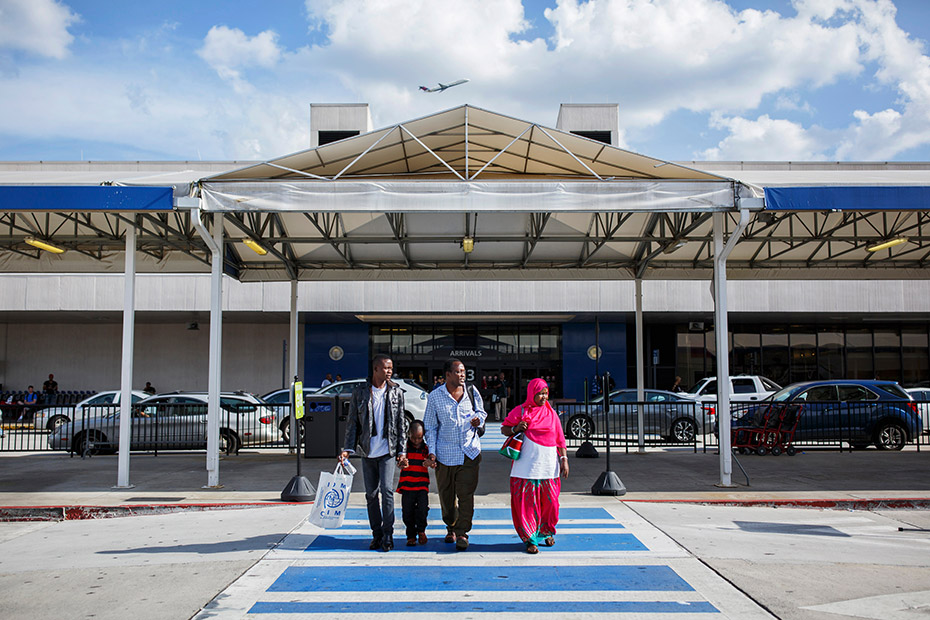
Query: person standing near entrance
[[376, 429], [500, 391], [453, 419]]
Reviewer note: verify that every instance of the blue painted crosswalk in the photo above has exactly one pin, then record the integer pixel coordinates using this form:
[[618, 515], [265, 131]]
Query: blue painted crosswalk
[[607, 562]]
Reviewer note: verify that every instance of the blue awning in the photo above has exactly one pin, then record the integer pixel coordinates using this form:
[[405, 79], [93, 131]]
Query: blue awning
[[852, 198], [84, 198]]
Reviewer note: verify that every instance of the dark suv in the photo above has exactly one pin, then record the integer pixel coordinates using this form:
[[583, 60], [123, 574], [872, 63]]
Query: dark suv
[[857, 412]]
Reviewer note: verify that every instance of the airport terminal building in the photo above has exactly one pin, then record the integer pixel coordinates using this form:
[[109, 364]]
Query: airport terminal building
[[515, 246]]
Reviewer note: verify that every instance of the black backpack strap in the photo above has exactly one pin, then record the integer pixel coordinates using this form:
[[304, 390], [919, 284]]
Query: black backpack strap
[[471, 396]]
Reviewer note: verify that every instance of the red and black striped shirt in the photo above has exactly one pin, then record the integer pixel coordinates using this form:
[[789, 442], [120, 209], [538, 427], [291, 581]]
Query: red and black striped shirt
[[416, 476]]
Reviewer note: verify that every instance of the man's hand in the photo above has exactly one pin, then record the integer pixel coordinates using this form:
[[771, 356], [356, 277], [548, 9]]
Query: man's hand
[[476, 421], [432, 460], [343, 456]]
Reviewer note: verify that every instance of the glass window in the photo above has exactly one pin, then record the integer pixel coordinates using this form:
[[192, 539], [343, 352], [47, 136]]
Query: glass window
[[529, 342], [821, 393], [381, 340], [775, 356], [689, 364], [887, 354], [830, 362], [743, 386], [747, 354], [624, 397], [507, 339], [803, 356], [422, 339], [914, 353], [855, 393], [894, 389], [709, 388], [549, 341], [102, 399], [401, 341], [859, 354]]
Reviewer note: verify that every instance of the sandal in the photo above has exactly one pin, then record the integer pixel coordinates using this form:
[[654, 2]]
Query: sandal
[[531, 548], [549, 541]]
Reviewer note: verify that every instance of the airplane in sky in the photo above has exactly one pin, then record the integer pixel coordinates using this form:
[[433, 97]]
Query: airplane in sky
[[442, 86]]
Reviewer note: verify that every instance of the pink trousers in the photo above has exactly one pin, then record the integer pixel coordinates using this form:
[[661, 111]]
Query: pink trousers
[[534, 505]]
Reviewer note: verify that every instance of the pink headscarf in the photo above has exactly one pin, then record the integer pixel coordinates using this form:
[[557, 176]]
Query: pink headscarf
[[544, 428]]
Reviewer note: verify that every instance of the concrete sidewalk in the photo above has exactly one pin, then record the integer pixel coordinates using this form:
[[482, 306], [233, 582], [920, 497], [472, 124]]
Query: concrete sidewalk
[[174, 481]]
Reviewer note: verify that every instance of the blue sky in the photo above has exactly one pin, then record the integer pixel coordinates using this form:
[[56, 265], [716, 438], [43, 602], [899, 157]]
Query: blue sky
[[695, 79]]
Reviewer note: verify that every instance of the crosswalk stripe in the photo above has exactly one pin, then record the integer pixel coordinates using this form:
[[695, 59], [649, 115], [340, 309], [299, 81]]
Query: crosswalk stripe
[[483, 607], [478, 578]]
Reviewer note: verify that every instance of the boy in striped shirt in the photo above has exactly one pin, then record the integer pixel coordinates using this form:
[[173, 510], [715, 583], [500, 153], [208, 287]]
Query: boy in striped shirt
[[414, 485]]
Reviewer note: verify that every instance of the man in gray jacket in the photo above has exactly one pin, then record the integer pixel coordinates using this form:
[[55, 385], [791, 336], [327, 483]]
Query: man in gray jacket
[[376, 429]]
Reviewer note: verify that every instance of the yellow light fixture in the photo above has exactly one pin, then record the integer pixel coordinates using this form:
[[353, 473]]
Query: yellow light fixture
[[44, 245], [884, 245], [468, 244], [255, 247]]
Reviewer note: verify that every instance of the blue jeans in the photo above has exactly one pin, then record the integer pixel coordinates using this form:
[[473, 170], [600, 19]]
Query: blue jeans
[[378, 474]]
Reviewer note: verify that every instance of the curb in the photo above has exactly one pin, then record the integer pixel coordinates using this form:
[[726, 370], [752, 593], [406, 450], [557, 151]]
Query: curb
[[79, 513]]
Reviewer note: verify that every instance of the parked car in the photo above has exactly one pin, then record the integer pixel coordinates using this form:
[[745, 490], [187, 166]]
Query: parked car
[[921, 396], [674, 417], [858, 412], [50, 418], [279, 401], [743, 388], [414, 395], [173, 421]]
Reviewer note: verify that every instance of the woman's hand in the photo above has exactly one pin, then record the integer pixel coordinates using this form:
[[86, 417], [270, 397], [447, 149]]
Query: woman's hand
[[521, 427], [563, 462]]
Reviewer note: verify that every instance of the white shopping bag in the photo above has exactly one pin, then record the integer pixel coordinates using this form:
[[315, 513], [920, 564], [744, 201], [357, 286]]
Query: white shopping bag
[[332, 497]]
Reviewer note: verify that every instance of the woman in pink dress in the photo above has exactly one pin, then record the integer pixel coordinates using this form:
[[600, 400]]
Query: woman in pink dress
[[534, 477]]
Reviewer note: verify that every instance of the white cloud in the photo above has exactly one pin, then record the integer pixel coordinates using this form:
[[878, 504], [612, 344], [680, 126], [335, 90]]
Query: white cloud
[[881, 135], [764, 138], [39, 27], [741, 69], [228, 50]]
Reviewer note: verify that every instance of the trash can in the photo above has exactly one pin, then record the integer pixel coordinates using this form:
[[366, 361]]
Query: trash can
[[321, 427]]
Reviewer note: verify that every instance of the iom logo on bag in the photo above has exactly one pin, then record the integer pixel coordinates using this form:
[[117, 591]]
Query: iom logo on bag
[[334, 498]]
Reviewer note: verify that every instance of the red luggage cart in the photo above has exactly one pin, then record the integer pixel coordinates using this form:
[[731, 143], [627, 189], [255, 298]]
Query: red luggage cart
[[772, 433]]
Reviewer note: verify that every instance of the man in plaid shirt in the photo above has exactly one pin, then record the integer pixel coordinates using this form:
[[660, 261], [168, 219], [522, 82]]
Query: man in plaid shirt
[[452, 424]]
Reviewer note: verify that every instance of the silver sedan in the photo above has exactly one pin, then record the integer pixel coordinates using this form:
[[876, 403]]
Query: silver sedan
[[673, 417]]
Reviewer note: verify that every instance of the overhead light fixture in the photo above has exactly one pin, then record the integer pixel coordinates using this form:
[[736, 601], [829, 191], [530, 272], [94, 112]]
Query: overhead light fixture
[[886, 244], [44, 245], [468, 244], [255, 247]]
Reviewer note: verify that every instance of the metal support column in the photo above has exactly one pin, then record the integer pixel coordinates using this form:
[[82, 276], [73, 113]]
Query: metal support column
[[293, 360], [215, 243], [129, 327], [722, 340], [640, 371]]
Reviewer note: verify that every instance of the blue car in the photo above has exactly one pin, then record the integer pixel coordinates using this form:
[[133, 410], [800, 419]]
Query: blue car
[[857, 412]]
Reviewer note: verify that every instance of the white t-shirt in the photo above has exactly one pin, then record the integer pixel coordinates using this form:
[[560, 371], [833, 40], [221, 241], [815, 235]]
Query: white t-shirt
[[536, 462], [379, 444]]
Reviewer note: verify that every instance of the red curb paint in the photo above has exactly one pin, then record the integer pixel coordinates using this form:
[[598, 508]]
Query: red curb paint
[[77, 513]]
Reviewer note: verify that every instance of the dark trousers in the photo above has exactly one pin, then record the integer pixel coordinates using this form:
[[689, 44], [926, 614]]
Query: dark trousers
[[379, 479], [415, 506], [457, 485]]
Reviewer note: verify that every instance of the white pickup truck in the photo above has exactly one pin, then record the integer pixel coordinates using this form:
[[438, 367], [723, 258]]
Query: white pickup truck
[[743, 388]]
